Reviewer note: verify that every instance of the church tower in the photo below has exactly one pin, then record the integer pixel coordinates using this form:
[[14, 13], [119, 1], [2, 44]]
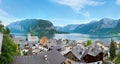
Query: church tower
[[29, 35]]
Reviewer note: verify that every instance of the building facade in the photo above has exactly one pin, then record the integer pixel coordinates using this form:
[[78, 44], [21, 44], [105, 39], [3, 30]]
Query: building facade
[[1, 38]]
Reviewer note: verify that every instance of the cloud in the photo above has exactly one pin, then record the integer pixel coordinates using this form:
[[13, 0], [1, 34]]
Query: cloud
[[78, 5], [59, 21], [118, 2], [6, 18]]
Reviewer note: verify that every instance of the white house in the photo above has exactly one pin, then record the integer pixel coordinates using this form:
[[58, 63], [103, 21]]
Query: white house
[[1, 37]]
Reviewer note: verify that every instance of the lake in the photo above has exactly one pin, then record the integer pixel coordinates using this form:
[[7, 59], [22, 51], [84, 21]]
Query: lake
[[76, 36]]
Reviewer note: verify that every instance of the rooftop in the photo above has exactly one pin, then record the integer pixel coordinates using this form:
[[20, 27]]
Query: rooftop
[[53, 57]]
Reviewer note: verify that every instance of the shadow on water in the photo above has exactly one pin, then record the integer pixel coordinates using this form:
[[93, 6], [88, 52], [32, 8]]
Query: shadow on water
[[24, 35], [49, 36]]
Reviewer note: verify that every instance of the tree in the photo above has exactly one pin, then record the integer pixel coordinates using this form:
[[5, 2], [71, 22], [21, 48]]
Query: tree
[[112, 50], [89, 42], [1, 27], [117, 60], [6, 30], [9, 48]]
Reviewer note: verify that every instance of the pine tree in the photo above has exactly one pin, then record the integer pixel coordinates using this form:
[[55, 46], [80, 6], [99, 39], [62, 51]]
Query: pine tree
[[112, 50]]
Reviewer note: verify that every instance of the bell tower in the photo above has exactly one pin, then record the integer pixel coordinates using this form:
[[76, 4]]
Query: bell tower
[[29, 35]]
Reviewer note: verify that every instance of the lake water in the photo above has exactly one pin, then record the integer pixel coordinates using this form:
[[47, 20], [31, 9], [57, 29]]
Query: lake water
[[84, 37], [78, 37]]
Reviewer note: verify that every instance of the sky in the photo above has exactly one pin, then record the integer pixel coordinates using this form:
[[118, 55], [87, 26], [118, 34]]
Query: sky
[[59, 12]]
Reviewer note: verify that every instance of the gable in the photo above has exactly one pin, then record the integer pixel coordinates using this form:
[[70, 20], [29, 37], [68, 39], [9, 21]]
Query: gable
[[71, 56]]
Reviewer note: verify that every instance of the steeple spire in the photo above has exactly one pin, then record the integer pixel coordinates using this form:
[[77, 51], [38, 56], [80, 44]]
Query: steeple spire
[[28, 29], [29, 35]]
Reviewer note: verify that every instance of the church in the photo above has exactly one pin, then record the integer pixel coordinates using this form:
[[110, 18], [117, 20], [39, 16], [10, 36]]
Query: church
[[32, 38]]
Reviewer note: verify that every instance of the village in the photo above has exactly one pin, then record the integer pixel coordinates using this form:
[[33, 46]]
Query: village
[[61, 51], [58, 51]]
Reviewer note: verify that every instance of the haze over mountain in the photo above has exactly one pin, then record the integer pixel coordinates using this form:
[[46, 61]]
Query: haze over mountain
[[103, 26]]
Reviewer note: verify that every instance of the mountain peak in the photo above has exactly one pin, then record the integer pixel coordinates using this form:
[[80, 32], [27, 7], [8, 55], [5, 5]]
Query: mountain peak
[[106, 19]]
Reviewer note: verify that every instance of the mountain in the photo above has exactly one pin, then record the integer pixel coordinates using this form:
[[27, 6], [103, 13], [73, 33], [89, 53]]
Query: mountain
[[103, 26], [67, 28], [21, 26], [43, 27], [35, 25], [116, 28]]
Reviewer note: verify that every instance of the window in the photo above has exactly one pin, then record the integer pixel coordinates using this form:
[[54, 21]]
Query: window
[[80, 52]]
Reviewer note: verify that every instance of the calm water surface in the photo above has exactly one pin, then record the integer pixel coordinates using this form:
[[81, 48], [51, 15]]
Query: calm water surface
[[78, 37]]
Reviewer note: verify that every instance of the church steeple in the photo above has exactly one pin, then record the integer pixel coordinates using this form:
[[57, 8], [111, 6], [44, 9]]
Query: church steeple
[[29, 32], [28, 29], [31, 38]]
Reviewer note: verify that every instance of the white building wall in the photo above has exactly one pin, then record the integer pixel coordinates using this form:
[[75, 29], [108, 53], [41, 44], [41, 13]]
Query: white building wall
[[1, 38], [33, 38]]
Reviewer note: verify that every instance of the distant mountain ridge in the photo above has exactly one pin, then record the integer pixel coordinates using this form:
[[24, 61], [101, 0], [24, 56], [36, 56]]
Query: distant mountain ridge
[[37, 26], [103, 26], [67, 28]]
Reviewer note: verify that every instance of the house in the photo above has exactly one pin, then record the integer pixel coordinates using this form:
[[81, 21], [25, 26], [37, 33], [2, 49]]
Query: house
[[72, 43], [51, 57], [103, 46], [58, 48], [24, 43], [65, 50], [37, 49], [1, 38], [92, 54], [32, 49], [85, 55], [59, 42], [51, 43], [76, 54]]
